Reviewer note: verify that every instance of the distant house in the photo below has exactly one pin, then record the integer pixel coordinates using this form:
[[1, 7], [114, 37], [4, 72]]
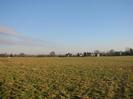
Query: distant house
[[98, 55], [81, 55], [88, 54], [93, 54], [69, 55]]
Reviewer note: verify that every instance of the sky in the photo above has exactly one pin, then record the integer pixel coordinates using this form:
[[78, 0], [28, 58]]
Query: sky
[[42, 26]]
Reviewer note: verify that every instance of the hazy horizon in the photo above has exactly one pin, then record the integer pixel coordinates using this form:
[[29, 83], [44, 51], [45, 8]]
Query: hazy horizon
[[62, 26]]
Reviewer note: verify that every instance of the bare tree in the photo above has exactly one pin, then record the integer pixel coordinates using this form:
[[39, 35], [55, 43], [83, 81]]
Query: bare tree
[[96, 51], [52, 53], [129, 51], [111, 52]]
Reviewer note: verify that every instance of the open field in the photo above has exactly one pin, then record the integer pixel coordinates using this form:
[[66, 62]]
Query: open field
[[66, 78]]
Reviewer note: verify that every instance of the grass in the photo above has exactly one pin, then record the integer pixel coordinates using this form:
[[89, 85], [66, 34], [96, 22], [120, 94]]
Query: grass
[[66, 78]]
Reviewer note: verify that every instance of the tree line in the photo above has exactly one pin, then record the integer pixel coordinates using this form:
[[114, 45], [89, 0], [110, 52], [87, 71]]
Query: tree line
[[127, 52]]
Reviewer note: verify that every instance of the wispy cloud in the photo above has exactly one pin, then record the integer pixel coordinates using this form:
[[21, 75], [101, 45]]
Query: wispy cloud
[[7, 31], [5, 42], [11, 37]]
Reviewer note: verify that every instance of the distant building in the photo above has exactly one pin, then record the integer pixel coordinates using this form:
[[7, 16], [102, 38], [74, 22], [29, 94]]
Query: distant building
[[81, 55], [69, 55], [98, 55], [92, 54]]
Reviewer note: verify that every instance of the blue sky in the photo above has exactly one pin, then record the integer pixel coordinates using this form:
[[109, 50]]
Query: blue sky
[[41, 26]]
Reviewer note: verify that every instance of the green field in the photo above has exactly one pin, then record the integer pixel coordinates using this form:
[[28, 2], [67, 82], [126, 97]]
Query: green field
[[66, 78]]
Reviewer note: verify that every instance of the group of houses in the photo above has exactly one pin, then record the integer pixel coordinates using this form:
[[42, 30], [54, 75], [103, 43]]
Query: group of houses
[[128, 52], [83, 54]]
